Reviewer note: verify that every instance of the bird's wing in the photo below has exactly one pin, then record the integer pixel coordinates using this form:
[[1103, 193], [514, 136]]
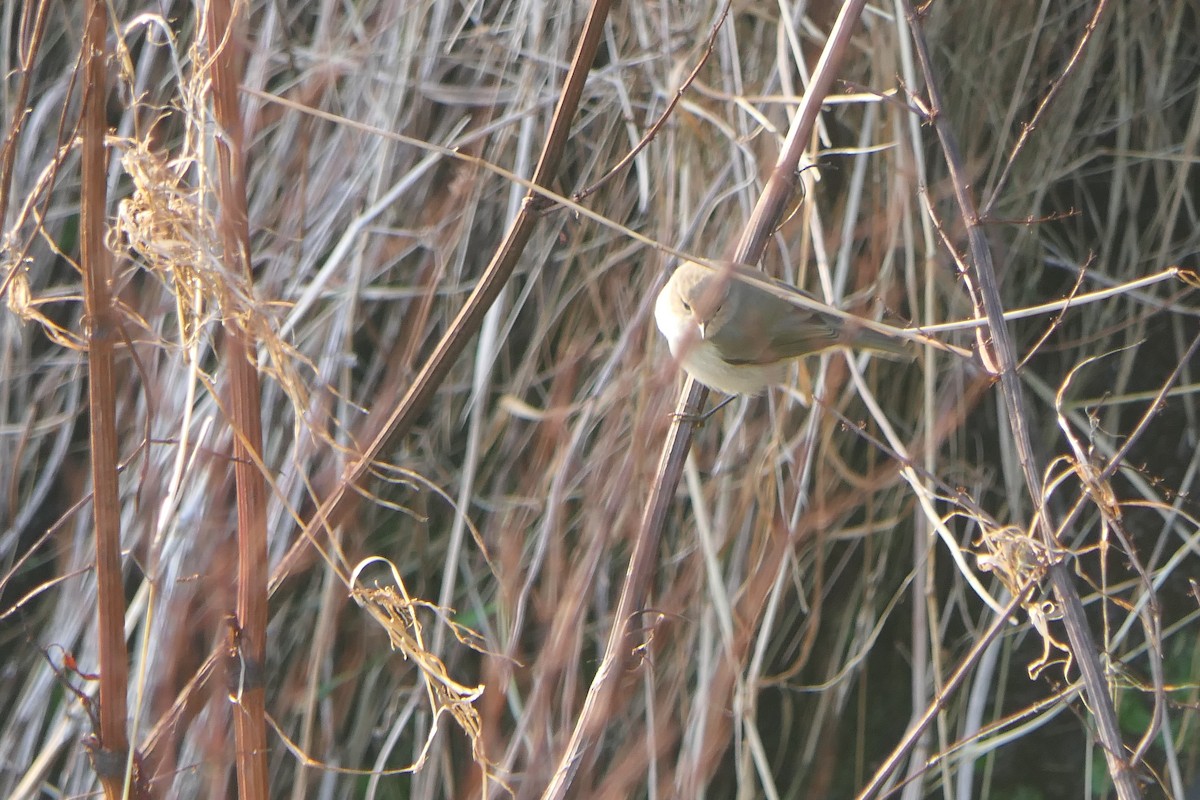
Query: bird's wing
[[797, 332], [801, 333], [771, 330]]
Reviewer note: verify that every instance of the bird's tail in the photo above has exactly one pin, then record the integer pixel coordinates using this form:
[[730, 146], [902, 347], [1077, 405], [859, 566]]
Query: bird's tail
[[885, 345]]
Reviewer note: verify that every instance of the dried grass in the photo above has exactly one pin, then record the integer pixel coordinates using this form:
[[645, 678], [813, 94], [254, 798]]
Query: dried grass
[[829, 573]]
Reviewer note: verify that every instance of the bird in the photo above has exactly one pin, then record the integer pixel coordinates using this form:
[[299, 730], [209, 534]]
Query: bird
[[739, 338]]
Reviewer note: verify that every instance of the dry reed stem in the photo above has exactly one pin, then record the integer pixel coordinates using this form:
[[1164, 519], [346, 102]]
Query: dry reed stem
[[221, 55], [109, 747]]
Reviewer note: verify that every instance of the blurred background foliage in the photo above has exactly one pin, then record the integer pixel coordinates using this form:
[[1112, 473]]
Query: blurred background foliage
[[805, 608]]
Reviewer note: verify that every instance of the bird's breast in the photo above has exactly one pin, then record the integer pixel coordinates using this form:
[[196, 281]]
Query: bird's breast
[[704, 362]]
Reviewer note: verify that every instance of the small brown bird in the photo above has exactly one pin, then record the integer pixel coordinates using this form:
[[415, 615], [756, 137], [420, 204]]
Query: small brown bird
[[740, 338]]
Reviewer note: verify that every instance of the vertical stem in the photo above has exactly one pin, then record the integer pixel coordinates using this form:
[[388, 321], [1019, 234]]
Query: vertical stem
[[1083, 645], [111, 757], [249, 639]]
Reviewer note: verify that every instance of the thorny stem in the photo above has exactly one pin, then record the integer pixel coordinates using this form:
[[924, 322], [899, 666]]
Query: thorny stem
[[1003, 355]]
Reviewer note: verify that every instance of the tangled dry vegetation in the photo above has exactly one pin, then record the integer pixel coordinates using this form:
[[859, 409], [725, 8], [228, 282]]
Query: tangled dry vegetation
[[928, 581]]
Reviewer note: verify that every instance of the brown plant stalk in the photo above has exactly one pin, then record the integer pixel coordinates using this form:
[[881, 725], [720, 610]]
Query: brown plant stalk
[[248, 639], [110, 754]]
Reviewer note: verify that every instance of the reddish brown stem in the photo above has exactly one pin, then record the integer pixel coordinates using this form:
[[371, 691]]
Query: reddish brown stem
[[100, 321], [249, 637]]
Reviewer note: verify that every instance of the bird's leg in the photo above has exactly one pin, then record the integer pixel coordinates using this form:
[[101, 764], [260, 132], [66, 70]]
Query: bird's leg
[[699, 419]]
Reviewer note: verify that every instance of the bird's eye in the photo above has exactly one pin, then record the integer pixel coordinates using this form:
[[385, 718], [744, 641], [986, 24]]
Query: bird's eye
[[687, 306]]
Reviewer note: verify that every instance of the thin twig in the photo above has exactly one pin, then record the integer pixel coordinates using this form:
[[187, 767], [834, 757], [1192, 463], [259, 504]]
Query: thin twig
[[617, 168], [1029, 127]]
